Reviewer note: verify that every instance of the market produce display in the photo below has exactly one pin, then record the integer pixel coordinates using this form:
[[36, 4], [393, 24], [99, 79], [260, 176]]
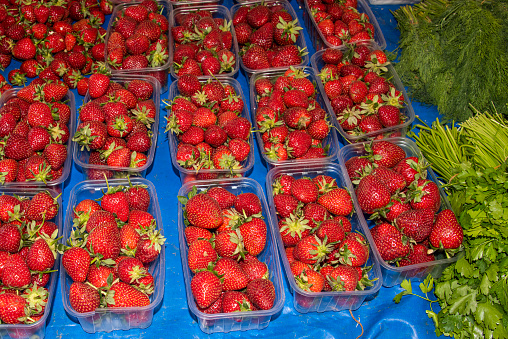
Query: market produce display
[[31, 225], [447, 233], [204, 43], [115, 130], [292, 123], [112, 246], [268, 34], [34, 124], [460, 37]]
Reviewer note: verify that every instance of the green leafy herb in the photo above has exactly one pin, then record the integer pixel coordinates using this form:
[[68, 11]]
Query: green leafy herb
[[454, 53]]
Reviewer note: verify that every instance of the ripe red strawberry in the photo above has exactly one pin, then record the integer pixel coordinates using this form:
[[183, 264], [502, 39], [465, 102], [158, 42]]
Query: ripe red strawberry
[[55, 154], [234, 278], [285, 204], [298, 143], [255, 58], [258, 16], [149, 246], [24, 49], [409, 168], [131, 270], [8, 170], [311, 250], [262, 293], [235, 301], [389, 115], [343, 278], [201, 254], [391, 244], [104, 240], [446, 233], [14, 308], [309, 280], [386, 153], [332, 230], [417, 255], [254, 269], [126, 295], [254, 235], [40, 257], [424, 193], [206, 288], [305, 190], [248, 204], [98, 84], [11, 238], [416, 224], [393, 180], [76, 262], [115, 201], [42, 206], [337, 201], [15, 272], [372, 194], [91, 135]]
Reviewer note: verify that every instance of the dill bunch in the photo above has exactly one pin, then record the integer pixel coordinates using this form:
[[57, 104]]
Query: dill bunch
[[454, 53]]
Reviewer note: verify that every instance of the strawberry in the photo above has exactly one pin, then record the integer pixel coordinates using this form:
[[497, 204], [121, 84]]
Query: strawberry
[[393, 180], [76, 262], [262, 293], [353, 252], [98, 84], [372, 194], [131, 270], [115, 201], [337, 201], [149, 246], [42, 206], [416, 224], [309, 280], [386, 153], [206, 288], [304, 190], [331, 230], [417, 255], [138, 197], [40, 257], [235, 301], [446, 233], [11, 238], [298, 143], [424, 193], [24, 49], [311, 250], [121, 294], [14, 308], [258, 16], [410, 167], [255, 58], [203, 211], [285, 204], [8, 170], [234, 278], [254, 235], [248, 204], [343, 278], [390, 242], [201, 254], [15, 272], [55, 154]]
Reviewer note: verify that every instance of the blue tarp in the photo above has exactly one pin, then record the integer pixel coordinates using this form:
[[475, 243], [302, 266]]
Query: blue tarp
[[380, 317]]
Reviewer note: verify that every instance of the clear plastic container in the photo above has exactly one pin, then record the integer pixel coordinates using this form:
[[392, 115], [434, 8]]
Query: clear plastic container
[[37, 329], [303, 301], [70, 101], [237, 321], [160, 73], [191, 174], [330, 141], [188, 3], [119, 318], [217, 12], [300, 41], [317, 37], [81, 156], [317, 64], [393, 275]]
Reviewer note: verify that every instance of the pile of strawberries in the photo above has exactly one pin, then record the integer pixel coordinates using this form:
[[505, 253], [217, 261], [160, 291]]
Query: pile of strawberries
[[364, 100], [225, 234], [28, 238], [267, 35], [203, 43], [138, 39], [323, 251], [290, 119], [34, 132], [110, 249], [57, 40], [213, 132], [340, 22], [392, 188], [116, 125]]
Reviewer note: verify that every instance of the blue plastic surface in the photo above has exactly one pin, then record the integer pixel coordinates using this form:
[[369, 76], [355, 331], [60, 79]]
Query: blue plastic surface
[[380, 317]]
